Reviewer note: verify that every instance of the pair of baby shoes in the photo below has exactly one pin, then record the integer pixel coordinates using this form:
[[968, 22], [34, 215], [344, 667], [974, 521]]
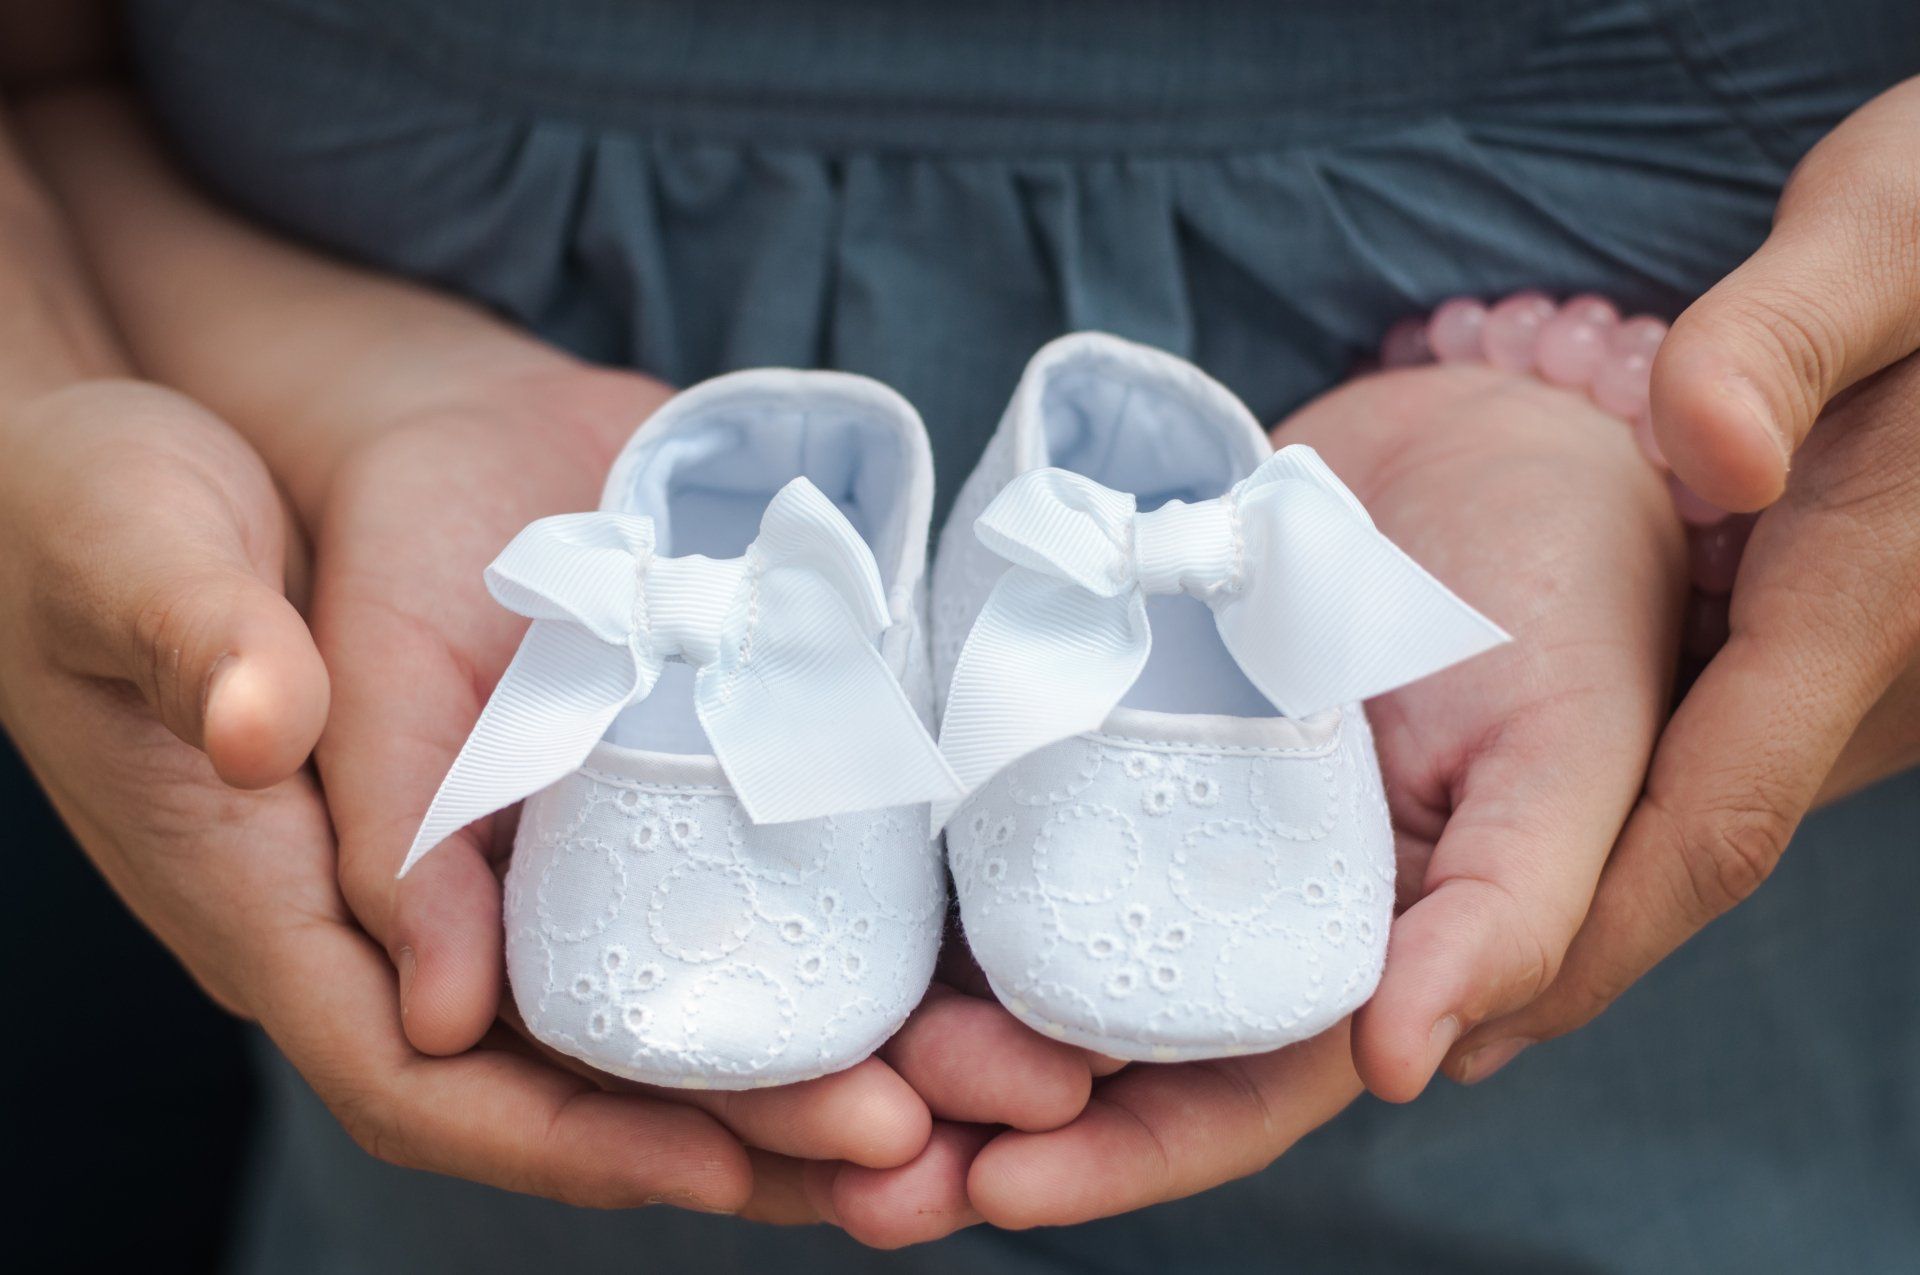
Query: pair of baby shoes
[[1162, 810]]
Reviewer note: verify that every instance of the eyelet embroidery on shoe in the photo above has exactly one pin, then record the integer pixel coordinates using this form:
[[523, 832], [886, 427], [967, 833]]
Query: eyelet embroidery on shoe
[[1143, 954], [615, 994], [1241, 926], [864, 946]]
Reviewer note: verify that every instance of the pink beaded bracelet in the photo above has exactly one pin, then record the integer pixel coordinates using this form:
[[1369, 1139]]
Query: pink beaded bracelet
[[1583, 344]]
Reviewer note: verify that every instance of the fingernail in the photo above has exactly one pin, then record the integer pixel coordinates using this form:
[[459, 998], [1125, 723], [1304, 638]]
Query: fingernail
[[1441, 1038], [1752, 406], [1487, 1059], [408, 963]]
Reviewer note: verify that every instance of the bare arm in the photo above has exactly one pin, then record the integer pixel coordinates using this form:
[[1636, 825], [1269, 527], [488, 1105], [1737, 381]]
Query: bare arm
[[305, 354]]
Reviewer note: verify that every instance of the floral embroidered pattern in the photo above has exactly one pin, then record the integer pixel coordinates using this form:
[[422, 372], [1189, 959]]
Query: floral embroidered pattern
[[659, 935], [1174, 900], [1144, 955], [1161, 899], [616, 993]]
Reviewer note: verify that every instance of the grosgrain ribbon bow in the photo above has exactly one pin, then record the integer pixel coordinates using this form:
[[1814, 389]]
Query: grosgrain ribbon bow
[[802, 711], [1314, 604]]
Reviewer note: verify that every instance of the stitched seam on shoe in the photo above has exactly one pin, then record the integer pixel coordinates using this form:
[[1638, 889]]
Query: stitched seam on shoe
[[642, 785], [1218, 750]]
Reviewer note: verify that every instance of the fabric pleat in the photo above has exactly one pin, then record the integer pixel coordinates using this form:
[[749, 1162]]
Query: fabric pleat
[[926, 192]]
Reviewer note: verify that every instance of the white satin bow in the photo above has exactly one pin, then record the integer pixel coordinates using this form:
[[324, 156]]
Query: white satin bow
[[802, 711], [1314, 604]]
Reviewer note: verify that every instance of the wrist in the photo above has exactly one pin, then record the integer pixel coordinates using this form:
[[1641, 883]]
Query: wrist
[[52, 333], [1584, 346]]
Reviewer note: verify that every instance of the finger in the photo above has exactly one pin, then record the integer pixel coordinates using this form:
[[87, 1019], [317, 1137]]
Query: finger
[[1535, 814], [1153, 1134], [227, 664], [866, 1115], [1886, 742], [1825, 302], [403, 704], [494, 1116], [1825, 619], [959, 971], [160, 563], [780, 1191], [917, 1202], [974, 1062]]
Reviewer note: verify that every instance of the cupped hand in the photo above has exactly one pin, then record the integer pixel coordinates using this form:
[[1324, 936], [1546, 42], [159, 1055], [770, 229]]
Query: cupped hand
[[144, 563], [1794, 384], [414, 643], [1508, 776]]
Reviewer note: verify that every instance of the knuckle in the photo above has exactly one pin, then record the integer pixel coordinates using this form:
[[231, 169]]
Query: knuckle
[[1795, 328], [1586, 995], [368, 1119], [1530, 957], [169, 629], [1575, 998], [1729, 855], [1531, 961]]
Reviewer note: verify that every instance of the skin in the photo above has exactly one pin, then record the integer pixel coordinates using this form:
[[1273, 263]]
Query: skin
[[375, 399], [171, 630], [1508, 776], [1794, 381]]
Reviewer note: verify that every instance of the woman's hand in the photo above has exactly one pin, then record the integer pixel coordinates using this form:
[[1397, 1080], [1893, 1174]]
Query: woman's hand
[[1806, 352], [1509, 776], [415, 645]]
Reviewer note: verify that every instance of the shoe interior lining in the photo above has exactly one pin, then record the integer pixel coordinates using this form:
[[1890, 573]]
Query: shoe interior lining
[[1126, 428], [707, 484]]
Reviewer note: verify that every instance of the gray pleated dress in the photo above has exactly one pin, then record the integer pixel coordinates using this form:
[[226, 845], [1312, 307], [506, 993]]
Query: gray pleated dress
[[924, 192]]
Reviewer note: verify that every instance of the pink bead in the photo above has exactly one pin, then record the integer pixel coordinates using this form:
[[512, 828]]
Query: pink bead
[[1512, 330], [1713, 554], [1641, 334], [1454, 332], [1620, 384], [1591, 308], [1649, 445], [1405, 344], [1571, 347], [1705, 629], [1693, 509]]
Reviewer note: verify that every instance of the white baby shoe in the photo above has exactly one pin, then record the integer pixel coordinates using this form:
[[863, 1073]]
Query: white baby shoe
[[1153, 862], [723, 875]]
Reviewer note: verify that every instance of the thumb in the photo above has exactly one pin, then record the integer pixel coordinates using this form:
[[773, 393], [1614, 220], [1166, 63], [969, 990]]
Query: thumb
[[1823, 623], [161, 554], [1825, 302], [227, 664]]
